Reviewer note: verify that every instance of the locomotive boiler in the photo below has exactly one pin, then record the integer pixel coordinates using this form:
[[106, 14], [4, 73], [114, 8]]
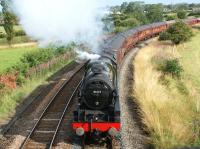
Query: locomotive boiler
[[98, 112]]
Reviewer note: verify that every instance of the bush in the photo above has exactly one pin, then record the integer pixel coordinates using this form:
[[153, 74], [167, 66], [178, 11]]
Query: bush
[[61, 50], [170, 17], [181, 14], [179, 32], [172, 67], [20, 80], [20, 33], [2, 35], [119, 29], [164, 36], [130, 22], [37, 57], [195, 14], [2, 86]]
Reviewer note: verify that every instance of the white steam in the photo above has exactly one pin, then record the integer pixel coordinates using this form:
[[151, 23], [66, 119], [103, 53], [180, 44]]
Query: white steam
[[83, 55], [61, 21]]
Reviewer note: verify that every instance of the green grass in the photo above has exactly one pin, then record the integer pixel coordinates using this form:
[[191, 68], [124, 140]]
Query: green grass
[[10, 56], [10, 99], [16, 40], [16, 28]]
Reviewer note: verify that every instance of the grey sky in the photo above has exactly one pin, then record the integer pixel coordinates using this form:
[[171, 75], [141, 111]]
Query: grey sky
[[114, 2]]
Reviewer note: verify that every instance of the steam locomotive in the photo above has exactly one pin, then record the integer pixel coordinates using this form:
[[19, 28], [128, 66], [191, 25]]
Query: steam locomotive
[[98, 112]]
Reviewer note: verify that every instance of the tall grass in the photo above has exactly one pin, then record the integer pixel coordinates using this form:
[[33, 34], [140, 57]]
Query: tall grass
[[170, 106]]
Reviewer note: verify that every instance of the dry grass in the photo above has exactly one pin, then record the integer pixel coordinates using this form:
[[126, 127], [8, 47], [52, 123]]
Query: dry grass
[[170, 107]]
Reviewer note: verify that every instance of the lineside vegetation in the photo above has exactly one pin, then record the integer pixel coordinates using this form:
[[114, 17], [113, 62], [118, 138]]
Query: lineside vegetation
[[170, 98]]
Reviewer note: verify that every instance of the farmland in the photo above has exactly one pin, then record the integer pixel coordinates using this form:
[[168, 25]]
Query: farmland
[[16, 28]]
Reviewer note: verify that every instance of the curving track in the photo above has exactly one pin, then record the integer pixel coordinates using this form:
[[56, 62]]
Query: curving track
[[45, 131]]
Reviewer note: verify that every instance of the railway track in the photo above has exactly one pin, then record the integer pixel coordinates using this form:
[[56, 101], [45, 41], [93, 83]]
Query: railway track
[[45, 131]]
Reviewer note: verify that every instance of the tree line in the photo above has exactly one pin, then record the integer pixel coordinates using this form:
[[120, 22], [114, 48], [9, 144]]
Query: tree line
[[133, 14]]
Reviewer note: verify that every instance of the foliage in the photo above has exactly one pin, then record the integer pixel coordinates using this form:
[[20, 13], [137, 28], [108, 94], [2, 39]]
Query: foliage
[[2, 85], [37, 57], [120, 29], [11, 98], [154, 12], [181, 14], [2, 35], [179, 32], [20, 80], [130, 22], [170, 17], [9, 21], [196, 14], [164, 36], [20, 33], [172, 67]]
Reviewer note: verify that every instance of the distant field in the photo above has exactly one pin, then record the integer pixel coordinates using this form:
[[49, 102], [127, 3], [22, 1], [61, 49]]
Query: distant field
[[16, 40], [16, 27], [10, 56]]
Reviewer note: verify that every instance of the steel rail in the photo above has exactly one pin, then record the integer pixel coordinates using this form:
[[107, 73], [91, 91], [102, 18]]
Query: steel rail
[[47, 107], [63, 115]]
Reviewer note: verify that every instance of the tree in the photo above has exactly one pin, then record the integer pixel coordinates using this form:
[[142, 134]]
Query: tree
[[124, 6], [181, 14], [179, 32], [154, 12], [9, 21], [136, 10]]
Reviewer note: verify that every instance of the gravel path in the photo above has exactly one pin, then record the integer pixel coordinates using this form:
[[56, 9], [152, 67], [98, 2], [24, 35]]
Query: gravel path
[[133, 137]]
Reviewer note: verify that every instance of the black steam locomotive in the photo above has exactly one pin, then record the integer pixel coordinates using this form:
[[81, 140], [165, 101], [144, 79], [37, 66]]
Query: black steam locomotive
[[98, 112]]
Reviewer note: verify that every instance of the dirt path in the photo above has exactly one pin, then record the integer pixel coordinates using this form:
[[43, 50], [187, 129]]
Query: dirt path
[[28, 44]]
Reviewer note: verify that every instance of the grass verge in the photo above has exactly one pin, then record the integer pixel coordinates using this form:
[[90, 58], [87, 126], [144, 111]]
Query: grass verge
[[170, 106], [10, 99]]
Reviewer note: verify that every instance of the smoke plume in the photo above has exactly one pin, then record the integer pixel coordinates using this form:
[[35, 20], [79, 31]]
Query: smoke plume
[[61, 21]]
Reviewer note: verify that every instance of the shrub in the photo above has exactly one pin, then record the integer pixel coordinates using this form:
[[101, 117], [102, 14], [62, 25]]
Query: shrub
[[170, 17], [164, 36], [119, 29], [179, 32], [117, 22], [20, 33], [2, 85], [181, 14], [37, 57], [196, 14], [172, 67], [130, 22], [20, 80], [61, 50], [2, 35]]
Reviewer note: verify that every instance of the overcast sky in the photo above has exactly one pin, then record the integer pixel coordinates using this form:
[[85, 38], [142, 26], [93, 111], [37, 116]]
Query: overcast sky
[[118, 2], [115, 2]]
